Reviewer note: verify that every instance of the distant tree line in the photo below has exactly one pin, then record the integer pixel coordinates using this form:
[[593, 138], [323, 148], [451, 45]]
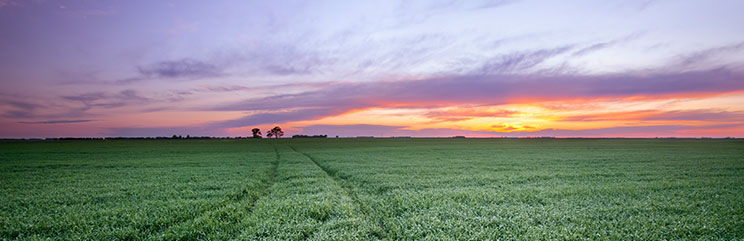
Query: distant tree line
[[313, 136], [141, 138]]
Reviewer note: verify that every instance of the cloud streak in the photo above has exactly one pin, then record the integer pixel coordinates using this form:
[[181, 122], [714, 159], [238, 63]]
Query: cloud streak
[[497, 89], [68, 106], [184, 68], [54, 122], [655, 115], [603, 45], [705, 55], [520, 62], [277, 117], [106, 99]]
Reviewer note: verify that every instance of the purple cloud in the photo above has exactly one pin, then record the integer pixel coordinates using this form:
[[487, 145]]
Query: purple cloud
[[694, 59], [19, 114], [478, 89], [277, 117], [688, 115], [70, 106], [106, 99], [701, 115], [184, 68], [54, 122], [496, 89], [599, 46], [22, 105], [274, 59], [520, 62]]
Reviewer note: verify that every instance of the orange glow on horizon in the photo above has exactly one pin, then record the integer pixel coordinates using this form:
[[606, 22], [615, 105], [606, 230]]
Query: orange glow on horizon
[[525, 117]]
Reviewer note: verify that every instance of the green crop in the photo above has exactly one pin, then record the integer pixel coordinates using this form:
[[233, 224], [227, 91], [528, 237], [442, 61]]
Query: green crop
[[373, 189]]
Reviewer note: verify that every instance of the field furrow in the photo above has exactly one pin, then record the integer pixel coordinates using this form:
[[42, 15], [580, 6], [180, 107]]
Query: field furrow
[[272, 178], [305, 204], [376, 224], [226, 221]]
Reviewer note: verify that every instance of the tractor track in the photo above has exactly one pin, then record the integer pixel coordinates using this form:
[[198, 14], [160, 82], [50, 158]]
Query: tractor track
[[359, 206], [240, 196], [266, 190]]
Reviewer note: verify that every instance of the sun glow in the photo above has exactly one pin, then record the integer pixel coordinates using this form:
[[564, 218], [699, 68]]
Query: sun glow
[[534, 117]]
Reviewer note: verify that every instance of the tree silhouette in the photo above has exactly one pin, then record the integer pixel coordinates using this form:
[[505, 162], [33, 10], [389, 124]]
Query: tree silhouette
[[256, 133], [276, 132]]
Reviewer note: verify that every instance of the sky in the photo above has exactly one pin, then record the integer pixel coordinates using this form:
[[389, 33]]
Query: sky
[[480, 68]]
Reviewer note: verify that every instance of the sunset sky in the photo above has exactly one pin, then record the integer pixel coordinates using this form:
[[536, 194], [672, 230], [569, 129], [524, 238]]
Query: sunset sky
[[622, 68]]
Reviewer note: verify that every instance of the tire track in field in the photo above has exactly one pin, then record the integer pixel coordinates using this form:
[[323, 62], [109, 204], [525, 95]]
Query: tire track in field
[[265, 190], [351, 194]]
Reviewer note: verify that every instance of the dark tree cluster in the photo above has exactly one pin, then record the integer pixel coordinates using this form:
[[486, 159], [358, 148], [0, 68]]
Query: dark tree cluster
[[275, 132]]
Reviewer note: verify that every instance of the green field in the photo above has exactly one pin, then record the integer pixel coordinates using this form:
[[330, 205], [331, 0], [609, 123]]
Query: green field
[[373, 189]]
